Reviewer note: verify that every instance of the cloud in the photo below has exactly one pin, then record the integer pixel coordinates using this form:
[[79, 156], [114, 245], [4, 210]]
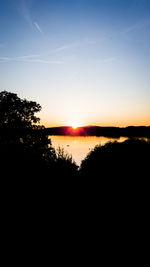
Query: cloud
[[24, 8], [105, 60], [28, 56], [37, 58], [38, 27], [30, 59], [137, 26], [4, 59], [75, 45], [64, 47], [57, 62]]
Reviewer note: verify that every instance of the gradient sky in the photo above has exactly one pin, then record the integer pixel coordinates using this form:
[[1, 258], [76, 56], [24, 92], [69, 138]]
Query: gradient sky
[[84, 61]]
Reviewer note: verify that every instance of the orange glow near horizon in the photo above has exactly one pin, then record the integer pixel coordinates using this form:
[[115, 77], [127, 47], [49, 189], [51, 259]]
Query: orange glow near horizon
[[117, 122]]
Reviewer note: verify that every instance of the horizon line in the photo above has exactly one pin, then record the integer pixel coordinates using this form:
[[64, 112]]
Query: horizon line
[[108, 126]]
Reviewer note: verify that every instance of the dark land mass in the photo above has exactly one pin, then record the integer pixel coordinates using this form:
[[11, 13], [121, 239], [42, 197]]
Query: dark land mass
[[116, 132], [44, 188]]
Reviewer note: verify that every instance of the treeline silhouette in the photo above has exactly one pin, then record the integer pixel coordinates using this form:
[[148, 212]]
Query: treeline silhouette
[[114, 132], [28, 159]]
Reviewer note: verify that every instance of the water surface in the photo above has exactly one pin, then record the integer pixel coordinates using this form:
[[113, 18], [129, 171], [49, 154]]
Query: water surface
[[80, 146]]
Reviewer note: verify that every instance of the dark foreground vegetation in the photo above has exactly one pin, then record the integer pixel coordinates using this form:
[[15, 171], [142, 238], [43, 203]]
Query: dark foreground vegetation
[[29, 162], [25, 150], [127, 161]]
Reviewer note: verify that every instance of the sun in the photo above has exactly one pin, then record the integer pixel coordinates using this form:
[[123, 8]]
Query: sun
[[75, 125]]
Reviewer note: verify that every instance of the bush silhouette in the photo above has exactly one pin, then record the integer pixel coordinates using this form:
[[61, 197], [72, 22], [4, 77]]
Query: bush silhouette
[[65, 164], [116, 175], [114, 159]]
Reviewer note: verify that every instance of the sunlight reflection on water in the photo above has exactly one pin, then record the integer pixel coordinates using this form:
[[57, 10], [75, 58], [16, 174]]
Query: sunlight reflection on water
[[80, 146]]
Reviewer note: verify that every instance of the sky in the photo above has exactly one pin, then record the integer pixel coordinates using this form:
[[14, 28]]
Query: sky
[[87, 62]]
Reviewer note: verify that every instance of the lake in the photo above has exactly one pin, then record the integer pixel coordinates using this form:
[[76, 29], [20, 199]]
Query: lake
[[80, 146]]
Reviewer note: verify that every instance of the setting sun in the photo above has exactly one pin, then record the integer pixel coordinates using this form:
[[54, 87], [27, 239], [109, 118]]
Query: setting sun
[[74, 125]]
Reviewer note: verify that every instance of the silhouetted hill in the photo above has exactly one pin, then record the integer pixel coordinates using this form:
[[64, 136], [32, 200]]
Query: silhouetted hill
[[116, 132]]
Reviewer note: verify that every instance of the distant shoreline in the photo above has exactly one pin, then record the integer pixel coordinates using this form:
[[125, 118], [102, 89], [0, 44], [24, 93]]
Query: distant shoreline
[[114, 132], [110, 132]]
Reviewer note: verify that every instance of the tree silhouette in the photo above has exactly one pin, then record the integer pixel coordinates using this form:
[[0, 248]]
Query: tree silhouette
[[16, 112], [24, 146]]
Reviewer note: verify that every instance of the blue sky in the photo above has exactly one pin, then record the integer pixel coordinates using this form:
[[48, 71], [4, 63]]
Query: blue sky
[[84, 61]]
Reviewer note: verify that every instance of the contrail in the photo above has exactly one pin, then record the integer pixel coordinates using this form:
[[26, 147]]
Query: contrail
[[38, 27]]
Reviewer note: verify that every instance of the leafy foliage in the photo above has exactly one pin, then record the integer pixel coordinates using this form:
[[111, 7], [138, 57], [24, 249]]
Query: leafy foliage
[[114, 159], [16, 112], [65, 164], [24, 145]]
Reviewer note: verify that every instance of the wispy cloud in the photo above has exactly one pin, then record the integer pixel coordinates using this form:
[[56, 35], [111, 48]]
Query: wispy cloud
[[57, 62], [4, 59], [106, 60], [30, 59], [25, 11], [81, 43], [45, 57], [61, 48], [28, 56], [38, 27], [137, 26]]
